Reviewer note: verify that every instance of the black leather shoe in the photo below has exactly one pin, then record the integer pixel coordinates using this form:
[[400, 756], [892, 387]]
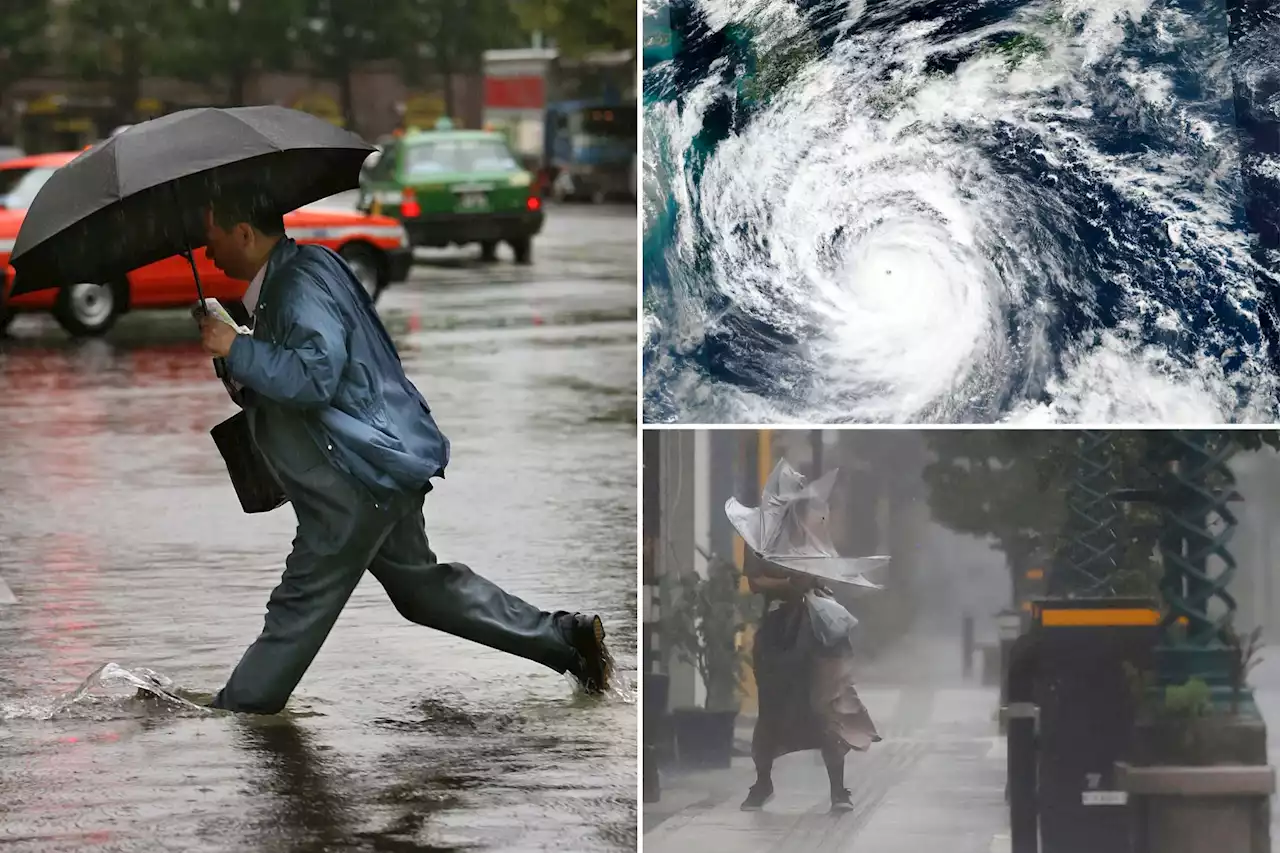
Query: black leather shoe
[[594, 666], [757, 797]]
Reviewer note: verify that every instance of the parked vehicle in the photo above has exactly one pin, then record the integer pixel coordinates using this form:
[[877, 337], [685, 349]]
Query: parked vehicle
[[376, 248], [454, 188]]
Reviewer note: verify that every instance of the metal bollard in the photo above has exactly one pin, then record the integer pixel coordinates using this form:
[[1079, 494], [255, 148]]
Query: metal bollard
[[652, 785], [1021, 719], [1024, 817], [966, 630]]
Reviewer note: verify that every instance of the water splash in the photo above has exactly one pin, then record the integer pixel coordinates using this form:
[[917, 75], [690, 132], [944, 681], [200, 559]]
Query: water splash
[[110, 692], [621, 689]]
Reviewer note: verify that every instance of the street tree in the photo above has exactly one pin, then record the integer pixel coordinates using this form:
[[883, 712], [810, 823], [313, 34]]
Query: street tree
[[337, 36], [579, 27], [999, 485], [234, 39], [24, 45], [120, 42], [1013, 487], [449, 37]]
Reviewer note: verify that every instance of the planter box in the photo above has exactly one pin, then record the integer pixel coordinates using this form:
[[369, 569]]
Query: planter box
[[657, 687], [704, 739], [658, 737]]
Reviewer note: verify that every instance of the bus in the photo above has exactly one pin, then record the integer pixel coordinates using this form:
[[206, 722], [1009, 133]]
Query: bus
[[590, 148]]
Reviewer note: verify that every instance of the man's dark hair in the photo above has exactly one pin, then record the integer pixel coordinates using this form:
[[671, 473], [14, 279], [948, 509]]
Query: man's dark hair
[[231, 206]]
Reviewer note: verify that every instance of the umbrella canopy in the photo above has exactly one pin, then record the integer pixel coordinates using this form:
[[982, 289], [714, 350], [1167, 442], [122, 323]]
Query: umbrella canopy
[[789, 529], [138, 197]]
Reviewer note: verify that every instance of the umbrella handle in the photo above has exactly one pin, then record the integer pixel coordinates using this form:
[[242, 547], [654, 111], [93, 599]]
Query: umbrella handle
[[186, 243], [196, 273], [219, 366]]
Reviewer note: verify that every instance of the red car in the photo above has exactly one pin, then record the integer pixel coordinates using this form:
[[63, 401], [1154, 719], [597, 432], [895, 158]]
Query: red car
[[376, 247]]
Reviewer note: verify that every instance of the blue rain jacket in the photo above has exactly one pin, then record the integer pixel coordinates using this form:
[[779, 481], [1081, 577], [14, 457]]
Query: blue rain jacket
[[319, 355]]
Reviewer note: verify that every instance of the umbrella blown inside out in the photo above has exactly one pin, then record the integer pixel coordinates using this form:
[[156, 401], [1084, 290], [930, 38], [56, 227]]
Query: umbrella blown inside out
[[790, 529]]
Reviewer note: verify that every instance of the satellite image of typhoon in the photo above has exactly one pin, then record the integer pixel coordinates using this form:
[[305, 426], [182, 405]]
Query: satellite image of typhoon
[[961, 211]]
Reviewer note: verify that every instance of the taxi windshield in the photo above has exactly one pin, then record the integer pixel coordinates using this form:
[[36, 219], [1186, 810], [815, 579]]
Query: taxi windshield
[[18, 187], [449, 156]]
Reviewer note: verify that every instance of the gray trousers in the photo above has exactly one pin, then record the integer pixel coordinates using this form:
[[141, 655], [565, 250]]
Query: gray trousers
[[341, 533]]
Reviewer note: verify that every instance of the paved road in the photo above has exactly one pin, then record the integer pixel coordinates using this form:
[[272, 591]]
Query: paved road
[[121, 541], [936, 781]]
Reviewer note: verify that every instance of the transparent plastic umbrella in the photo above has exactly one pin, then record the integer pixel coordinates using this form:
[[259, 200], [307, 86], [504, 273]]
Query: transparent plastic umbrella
[[789, 529]]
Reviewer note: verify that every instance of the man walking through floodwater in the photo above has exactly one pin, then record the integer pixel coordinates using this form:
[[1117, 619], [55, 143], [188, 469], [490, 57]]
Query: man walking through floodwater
[[354, 446]]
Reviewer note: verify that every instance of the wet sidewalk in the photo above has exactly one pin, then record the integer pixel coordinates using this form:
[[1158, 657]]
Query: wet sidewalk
[[936, 781]]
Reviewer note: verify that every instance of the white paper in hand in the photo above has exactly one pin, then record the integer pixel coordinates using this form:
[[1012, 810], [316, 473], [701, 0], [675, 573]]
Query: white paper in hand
[[214, 309]]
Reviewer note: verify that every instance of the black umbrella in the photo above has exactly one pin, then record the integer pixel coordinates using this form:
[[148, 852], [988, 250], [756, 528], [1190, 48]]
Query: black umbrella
[[138, 197]]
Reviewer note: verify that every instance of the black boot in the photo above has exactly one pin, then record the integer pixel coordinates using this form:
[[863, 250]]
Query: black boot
[[593, 666], [841, 800]]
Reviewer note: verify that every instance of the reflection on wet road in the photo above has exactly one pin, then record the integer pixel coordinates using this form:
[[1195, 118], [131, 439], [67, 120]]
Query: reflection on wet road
[[122, 541]]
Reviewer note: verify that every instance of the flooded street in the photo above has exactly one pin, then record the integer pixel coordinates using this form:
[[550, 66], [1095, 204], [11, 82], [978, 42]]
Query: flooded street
[[121, 541]]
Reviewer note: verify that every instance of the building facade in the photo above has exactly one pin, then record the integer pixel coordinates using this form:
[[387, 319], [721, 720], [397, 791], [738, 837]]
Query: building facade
[[878, 509]]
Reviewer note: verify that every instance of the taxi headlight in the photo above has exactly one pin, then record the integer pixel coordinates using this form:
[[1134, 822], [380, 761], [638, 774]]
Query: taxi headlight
[[521, 179]]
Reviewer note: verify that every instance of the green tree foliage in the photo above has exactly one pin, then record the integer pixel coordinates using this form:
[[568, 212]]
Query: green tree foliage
[[339, 35], [232, 39], [702, 627], [447, 37], [999, 484], [24, 42], [1013, 486], [581, 26], [120, 42]]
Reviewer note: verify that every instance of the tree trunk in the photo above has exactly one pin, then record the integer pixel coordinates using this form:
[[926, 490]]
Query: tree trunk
[[239, 82], [344, 88], [129, 86], [446, 75], [8, 117], [1018, 558]]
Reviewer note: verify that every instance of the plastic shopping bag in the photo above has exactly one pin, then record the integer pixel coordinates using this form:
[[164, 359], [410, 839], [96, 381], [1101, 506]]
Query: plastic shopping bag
[[831, 622]]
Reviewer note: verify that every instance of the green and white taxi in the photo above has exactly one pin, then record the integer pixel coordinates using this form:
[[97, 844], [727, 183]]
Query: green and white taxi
[[454, 188]]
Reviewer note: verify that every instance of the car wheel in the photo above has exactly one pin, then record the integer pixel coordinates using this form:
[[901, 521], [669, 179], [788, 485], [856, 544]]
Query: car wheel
[[368, 271], [89, 310], [489, 251], [523, 247]]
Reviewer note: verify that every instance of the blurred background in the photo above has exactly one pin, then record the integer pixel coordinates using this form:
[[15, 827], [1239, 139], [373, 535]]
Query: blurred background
[[988, 531], [72, 71]]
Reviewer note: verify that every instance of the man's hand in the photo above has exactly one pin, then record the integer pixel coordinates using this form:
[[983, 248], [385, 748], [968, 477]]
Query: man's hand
[[216, 336]]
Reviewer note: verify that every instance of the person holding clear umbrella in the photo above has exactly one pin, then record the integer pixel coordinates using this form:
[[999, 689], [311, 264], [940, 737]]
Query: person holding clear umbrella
[[805, 680]]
